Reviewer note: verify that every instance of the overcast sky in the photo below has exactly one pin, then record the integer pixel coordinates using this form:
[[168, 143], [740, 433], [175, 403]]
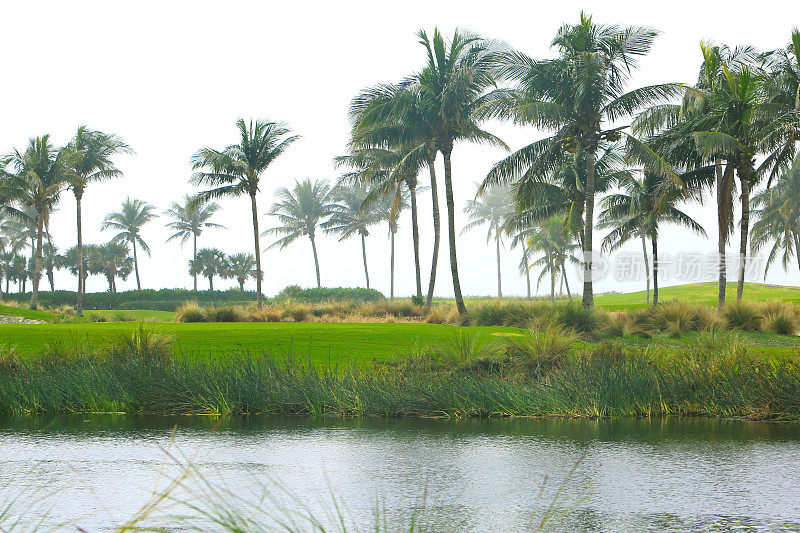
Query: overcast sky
[[172, 77]]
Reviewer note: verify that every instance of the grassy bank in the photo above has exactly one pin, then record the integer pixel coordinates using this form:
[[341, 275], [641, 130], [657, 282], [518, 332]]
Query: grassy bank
[[524, 374], [701, 293]]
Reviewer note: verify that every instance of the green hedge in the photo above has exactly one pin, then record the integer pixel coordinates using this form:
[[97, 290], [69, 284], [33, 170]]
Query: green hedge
[[329, 294], [160, 300]]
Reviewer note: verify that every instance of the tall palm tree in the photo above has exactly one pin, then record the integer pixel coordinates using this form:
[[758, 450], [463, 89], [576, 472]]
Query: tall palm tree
[[388, 171], [93, 151], [113, 260], [38, 176], [209, 263], [777, 210], [638, 211], [388, 210], [349, 216], [237, 170], [128, 222], [240, 266], [189, 219], [300, 211], [491, 207], [580, 95]]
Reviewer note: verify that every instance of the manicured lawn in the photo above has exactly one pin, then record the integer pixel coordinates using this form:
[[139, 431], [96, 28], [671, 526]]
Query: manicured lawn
[[26, 313], [138, 314], [342, 344], [701, 293]]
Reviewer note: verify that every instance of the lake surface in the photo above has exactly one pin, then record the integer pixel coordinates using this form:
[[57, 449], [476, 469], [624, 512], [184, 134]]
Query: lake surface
[[473, 475]]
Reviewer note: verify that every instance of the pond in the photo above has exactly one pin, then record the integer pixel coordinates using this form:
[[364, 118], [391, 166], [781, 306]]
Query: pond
[[463, 475]]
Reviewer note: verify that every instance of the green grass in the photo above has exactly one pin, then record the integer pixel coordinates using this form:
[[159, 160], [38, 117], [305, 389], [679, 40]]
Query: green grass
[[138, 314], [340, 344], [700, 293], [26, 313]]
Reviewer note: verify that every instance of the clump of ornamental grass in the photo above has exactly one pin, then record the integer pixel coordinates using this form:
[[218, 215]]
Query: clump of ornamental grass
[[743, 316], [190, 312], [296, 312], [615, 325], [9, 358], [96, 317], [224, 313], [539, 352], [122, 316], [779, 318]]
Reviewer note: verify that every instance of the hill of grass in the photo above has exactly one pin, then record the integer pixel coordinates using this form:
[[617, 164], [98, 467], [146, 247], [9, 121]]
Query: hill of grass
[[342, 344], [701, 293], [8, 310]]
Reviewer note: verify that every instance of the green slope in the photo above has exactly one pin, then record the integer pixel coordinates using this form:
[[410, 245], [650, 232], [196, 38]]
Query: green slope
[[701, 293]]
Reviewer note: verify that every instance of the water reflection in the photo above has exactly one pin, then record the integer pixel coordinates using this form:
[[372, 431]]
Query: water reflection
[[476, 475]]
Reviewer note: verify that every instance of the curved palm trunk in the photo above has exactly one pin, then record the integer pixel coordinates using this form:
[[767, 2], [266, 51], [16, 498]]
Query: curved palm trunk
[[136, 267], [566, 281], [50, 278], [436, 232], [796, 248], [316, 259], [364, 257], [499, 280], [37, 263], [654, 242], [552, 268], [79, 227], [391, 267], [257, 246], [646, 267], [527, 269], [194, 258], [415, 238], [745, 231], [588, 230], [451, 231]]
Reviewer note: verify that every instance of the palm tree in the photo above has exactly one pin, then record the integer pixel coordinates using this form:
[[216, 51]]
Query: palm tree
[[237, 170], [189, 219], [349, 216], [491, 207], [778, 219], [69, 261], [388, 210], [241, 266], [580, 95], [638, 211], [552, 239], [113, 260], [300, 211], [128, 222], [38, 176], [209, 262], [388, 171], [50, 263], [17, 271], [93, 153]]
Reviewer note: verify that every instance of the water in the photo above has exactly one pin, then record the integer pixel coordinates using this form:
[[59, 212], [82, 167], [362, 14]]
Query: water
[[473, 475]]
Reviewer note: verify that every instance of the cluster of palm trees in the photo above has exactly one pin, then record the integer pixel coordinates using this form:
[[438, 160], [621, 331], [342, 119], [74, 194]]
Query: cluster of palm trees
[[638, 154]]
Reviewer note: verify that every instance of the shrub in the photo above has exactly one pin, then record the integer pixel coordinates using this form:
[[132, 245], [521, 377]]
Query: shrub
[[742, 315], [190, 312], [577, 318], [297, 312], [418, 300], [121, 316], [489, 315], [781, 323], [224, 313], [328, 294], [9, 358], [96, 317], [616, 325], [540, 352], [435, 316]]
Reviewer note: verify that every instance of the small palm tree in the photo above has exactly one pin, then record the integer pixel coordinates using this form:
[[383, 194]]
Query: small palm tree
[[492, 207], [39, 175], [778, 219], [209, 263], [350, 216], [237, 170], [241, 267], [113, 260], [300, 211], [128, 222], [50, 263], [69, 261], [189, 219], [551, 238], [93, 151]]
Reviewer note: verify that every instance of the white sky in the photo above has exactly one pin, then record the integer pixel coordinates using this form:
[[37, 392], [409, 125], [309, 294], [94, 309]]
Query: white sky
[[171, 77]]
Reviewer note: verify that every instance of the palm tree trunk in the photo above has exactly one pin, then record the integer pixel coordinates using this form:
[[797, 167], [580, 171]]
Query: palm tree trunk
[[391, 267], [436, 232], [654, 242], [588, 230], [415, 238], [110, 281], [566, 281], [316, 259], [37, 263], [552, 268], [257, 246], [646, 267], [745, 231], [527, 271], [241, 284], [79, 227], [497, 250], [52, 281], [136, 267], [194, 258], [364, 257], [722, 235], [451, 230], [211, 283], [796, 248]]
